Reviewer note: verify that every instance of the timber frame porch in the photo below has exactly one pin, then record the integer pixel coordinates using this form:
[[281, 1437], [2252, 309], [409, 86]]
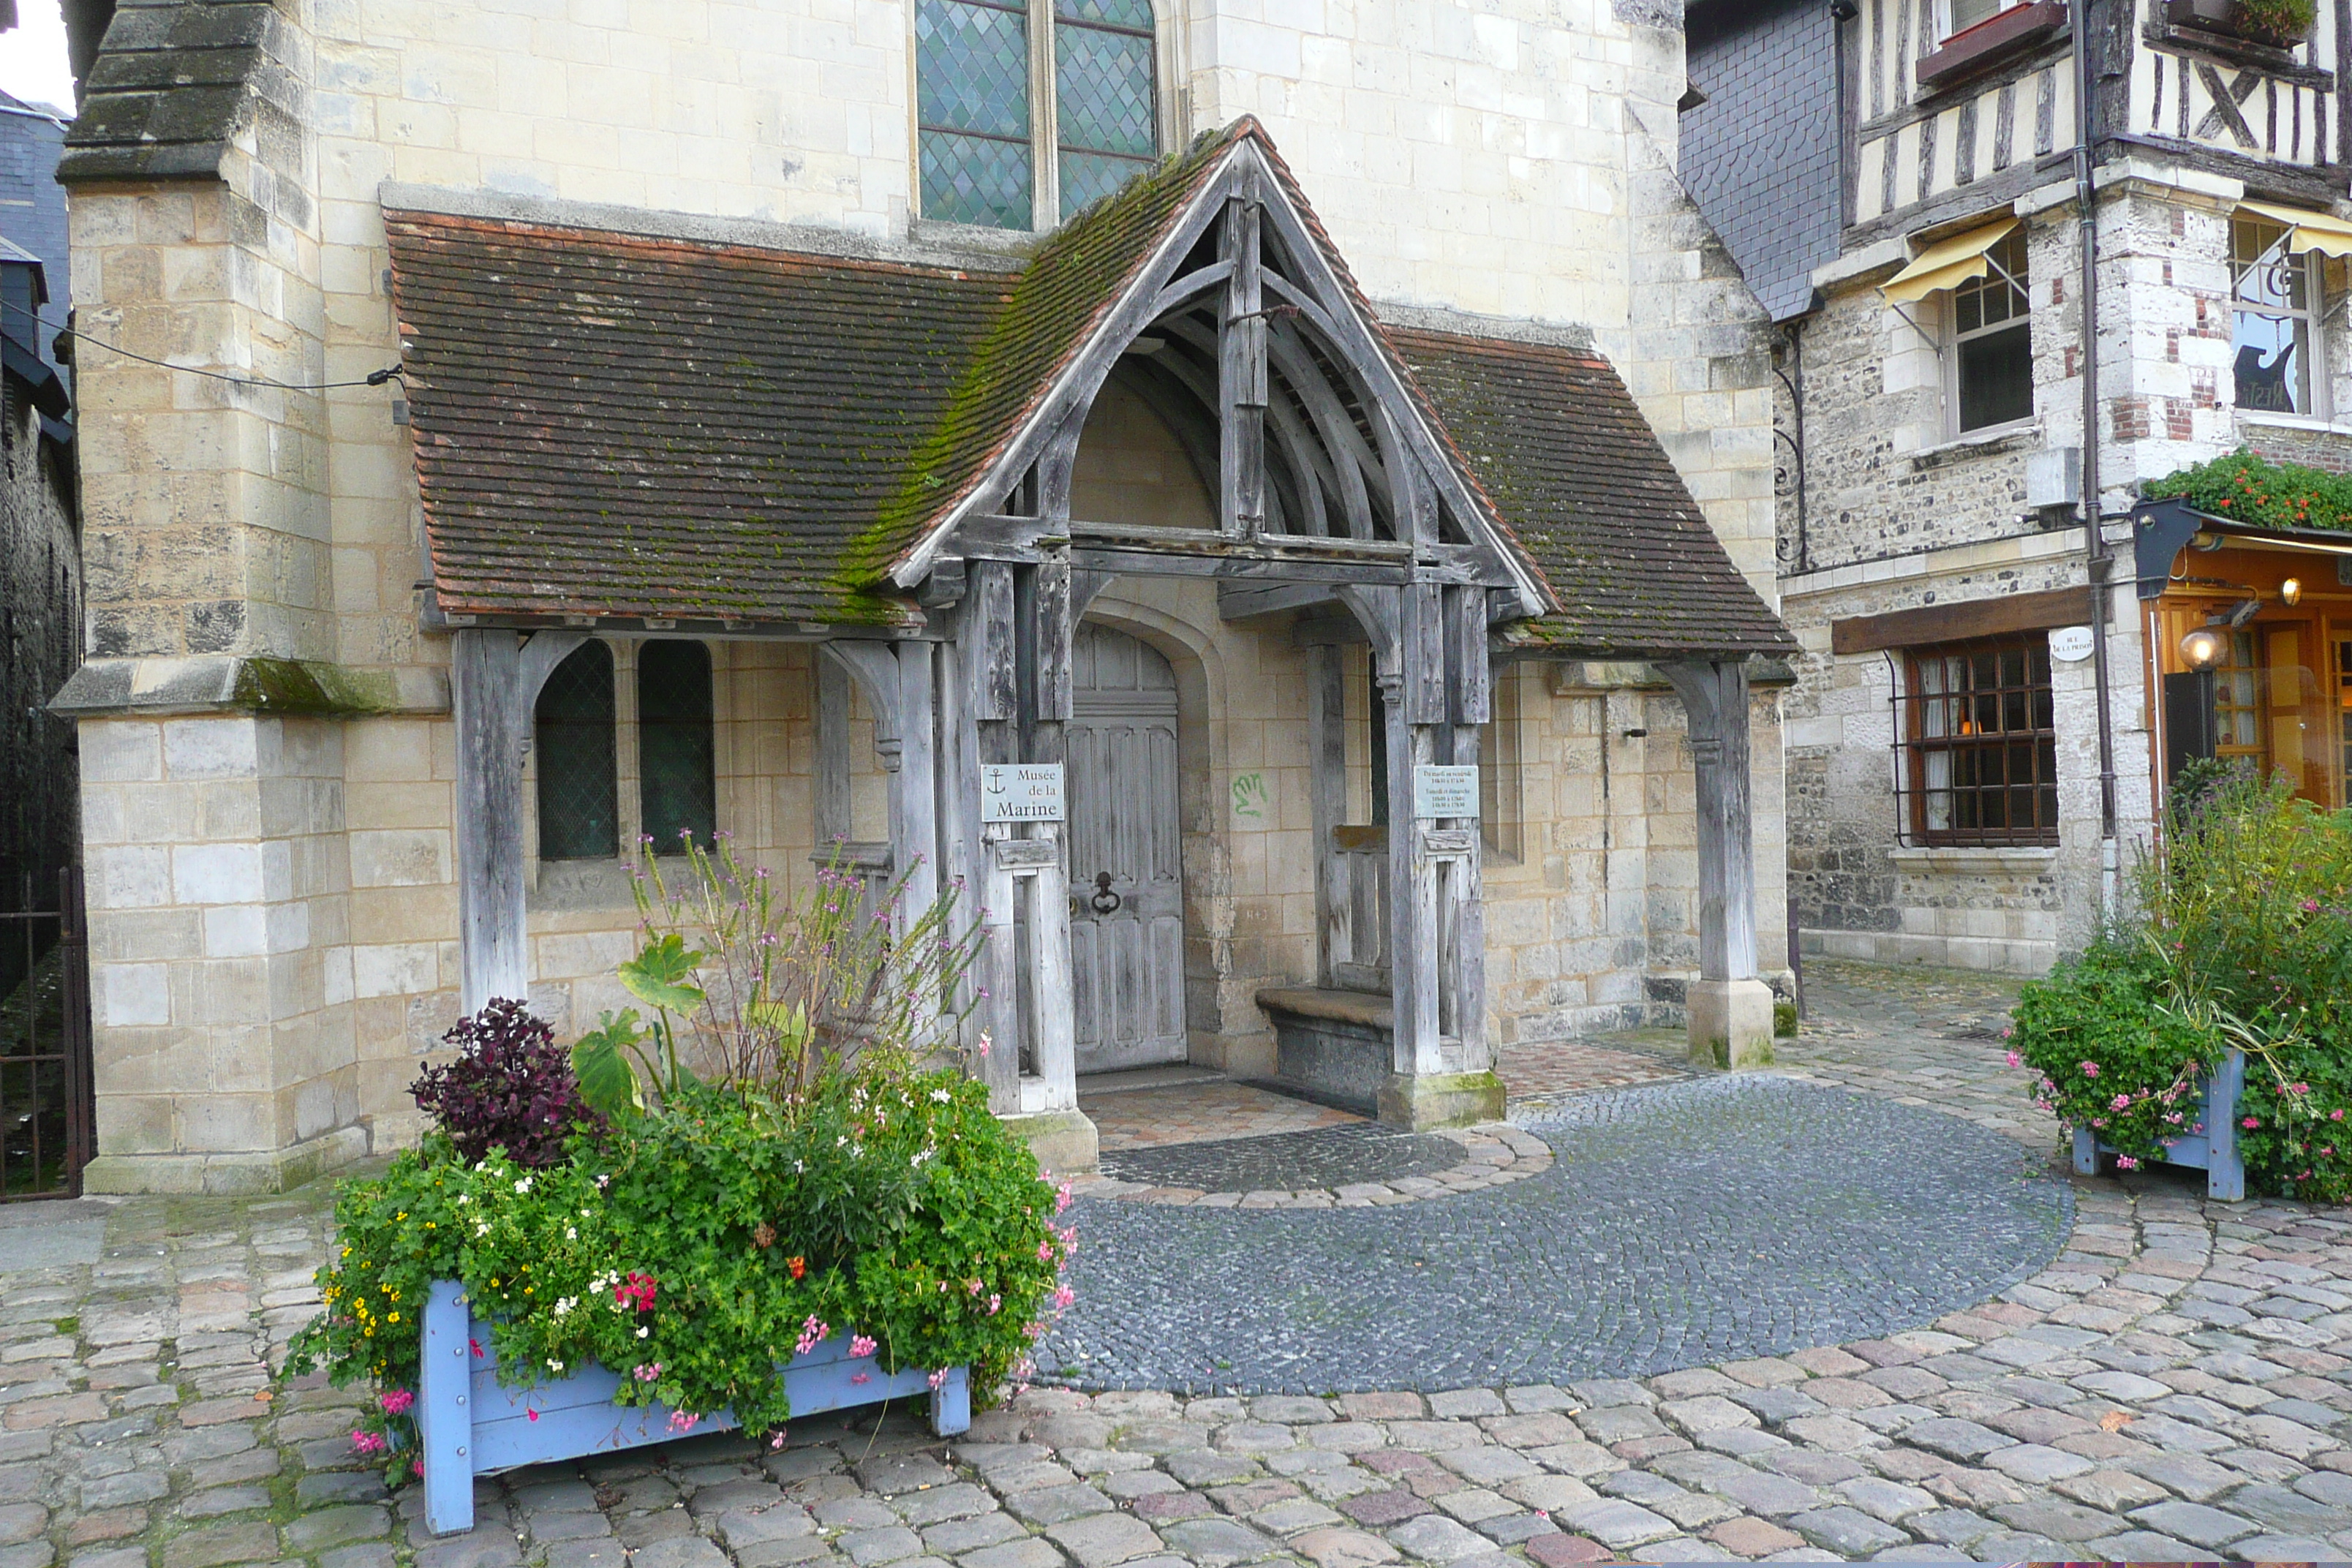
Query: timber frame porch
[[1345, 510]]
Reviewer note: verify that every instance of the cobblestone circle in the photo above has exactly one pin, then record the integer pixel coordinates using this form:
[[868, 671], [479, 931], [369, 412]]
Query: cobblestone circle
[[1679, 1223], [1351, 1166], [2176, 1385]]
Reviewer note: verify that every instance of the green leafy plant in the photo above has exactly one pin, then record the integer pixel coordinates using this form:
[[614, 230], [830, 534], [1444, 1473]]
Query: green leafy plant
[[2281, 22], [2248, 489], [775, 990]]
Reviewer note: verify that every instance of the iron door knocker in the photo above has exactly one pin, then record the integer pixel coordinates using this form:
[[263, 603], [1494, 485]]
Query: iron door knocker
[[1104, 900]]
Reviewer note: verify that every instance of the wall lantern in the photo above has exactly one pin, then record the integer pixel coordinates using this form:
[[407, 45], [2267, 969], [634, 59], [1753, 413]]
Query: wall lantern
[[2291, 592], [2201, 650]]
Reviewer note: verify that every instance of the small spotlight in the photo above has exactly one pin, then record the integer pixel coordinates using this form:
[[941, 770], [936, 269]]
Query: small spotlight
[[2291, 592]]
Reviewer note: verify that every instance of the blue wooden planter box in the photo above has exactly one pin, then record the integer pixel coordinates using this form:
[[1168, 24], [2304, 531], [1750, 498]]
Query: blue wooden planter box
[[469, 1425], [2213, 1151]]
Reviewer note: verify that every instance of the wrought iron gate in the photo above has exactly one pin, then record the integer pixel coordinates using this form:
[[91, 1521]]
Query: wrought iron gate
[[45, 1122]]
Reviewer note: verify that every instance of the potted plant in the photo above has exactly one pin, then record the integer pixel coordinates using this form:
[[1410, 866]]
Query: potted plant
[[766, 1204], [2213, 1029], [2275, 24]]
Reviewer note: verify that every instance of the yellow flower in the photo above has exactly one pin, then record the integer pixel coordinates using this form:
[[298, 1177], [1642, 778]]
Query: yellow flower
[[394, 1319]]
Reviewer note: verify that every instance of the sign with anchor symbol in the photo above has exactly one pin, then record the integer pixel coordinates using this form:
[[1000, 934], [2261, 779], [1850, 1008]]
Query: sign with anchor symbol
[[1021, 792]]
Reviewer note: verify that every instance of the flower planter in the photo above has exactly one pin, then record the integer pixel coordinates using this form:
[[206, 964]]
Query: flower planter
[[469, 1425], [2213, 1151]]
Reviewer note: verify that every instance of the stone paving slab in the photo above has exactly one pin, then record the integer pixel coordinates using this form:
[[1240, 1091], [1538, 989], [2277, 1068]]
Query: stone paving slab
[[133, 1433]]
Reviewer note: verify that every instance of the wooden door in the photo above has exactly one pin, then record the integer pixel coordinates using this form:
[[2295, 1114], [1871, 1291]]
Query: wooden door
[[1126, 885]]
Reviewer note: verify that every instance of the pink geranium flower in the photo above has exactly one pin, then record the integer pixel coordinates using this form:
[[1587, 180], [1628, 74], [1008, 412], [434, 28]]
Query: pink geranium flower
[[398, 1402]]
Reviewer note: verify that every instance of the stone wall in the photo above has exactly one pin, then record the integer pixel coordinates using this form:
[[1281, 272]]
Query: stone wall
[[41, 644]]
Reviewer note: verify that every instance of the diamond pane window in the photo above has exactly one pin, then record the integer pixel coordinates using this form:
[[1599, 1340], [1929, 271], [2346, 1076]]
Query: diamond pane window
[[675, 752], [971, 110], [579, 817], [1105, 96]]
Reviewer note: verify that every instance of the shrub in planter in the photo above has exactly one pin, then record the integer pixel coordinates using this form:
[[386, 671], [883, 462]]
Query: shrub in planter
[[2244, 940], [694, 1245]]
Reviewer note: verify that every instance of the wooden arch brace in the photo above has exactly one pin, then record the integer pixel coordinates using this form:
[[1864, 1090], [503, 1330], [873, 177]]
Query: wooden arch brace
[[495, 677], [899, 683]]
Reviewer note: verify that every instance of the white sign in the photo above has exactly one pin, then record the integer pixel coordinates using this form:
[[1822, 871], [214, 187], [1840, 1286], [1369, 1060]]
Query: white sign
[[1021, 792], [1444, 791], [2071, 645]]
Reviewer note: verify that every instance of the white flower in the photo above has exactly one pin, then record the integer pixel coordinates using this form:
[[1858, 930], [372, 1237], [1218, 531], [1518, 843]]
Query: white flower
[[941, 1094], [565, 1303], [481, 1227], [840, 1141], [465, 1197], [571, 1233], [522, 1187], [555, 1366], [644, 1333]]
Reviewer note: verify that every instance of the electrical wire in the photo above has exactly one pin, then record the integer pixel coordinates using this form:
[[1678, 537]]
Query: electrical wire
[[373, 377]]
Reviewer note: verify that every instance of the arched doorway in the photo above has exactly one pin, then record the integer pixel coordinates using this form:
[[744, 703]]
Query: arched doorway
[[1126, 860]]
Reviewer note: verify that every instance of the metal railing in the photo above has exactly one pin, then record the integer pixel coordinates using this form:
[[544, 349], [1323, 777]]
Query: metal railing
[[47, 1133]]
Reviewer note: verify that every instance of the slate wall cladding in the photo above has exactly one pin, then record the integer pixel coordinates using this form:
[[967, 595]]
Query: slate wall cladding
[[33, 211], [1760, 155]]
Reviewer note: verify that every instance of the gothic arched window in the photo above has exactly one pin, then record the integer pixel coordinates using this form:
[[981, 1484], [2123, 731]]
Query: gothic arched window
[[578, 799], [675, 755], [982, 105]]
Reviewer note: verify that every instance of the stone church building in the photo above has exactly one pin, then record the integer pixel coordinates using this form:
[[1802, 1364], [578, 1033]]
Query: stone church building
[[1341, 450]]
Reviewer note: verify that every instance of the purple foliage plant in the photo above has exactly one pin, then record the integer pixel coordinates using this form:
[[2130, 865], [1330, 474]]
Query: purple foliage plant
[[511, 1088]]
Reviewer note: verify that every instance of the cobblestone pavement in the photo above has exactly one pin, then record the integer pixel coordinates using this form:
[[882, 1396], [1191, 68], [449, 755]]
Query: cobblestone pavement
[[2174, 1385]]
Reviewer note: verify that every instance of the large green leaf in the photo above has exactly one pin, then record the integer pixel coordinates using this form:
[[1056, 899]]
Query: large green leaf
[[658, 976], [600, 1060]]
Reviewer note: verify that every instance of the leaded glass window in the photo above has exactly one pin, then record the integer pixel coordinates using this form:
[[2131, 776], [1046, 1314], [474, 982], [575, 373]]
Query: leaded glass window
[[972, 108], [675, 750], [577, 798], [983, 99], [1106, 109]]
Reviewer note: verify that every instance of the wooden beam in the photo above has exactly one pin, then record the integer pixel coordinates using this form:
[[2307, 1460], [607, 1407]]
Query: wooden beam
[[1327, 759], [996, 696], [913, 789], [2001, 615], [1714, 698], [1237, 601], [1241, 376], [1128, 560]]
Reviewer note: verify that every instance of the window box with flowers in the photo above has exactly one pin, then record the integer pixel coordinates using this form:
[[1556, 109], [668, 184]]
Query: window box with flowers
[[770, 1203], [2259, 32]]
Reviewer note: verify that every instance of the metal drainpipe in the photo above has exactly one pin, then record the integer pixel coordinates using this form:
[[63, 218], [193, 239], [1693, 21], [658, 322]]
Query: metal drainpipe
[[2096, 562]]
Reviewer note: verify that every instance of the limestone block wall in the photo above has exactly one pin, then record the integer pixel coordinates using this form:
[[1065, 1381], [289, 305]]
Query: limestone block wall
[[221, 974]]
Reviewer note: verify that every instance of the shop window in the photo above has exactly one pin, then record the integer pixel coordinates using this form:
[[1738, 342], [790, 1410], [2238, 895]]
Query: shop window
[[1978, 762], [1992, 340], [979, 98], [578, 796], [2274, 319], [675, 753]]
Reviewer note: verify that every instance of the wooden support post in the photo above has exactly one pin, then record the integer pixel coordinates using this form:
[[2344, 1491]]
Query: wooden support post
[[1467, 677], [1326, 759], [832, 811], [914, 798], [494, 681], [1730, 1009], [1241, 375]]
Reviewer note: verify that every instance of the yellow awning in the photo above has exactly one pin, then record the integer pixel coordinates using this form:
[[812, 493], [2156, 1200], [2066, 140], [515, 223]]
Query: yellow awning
[[2307, 230], [1946, 264]]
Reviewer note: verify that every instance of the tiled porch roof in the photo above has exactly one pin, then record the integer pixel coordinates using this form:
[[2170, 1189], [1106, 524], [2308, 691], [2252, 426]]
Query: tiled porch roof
[[1560, 448], [630, 426]]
